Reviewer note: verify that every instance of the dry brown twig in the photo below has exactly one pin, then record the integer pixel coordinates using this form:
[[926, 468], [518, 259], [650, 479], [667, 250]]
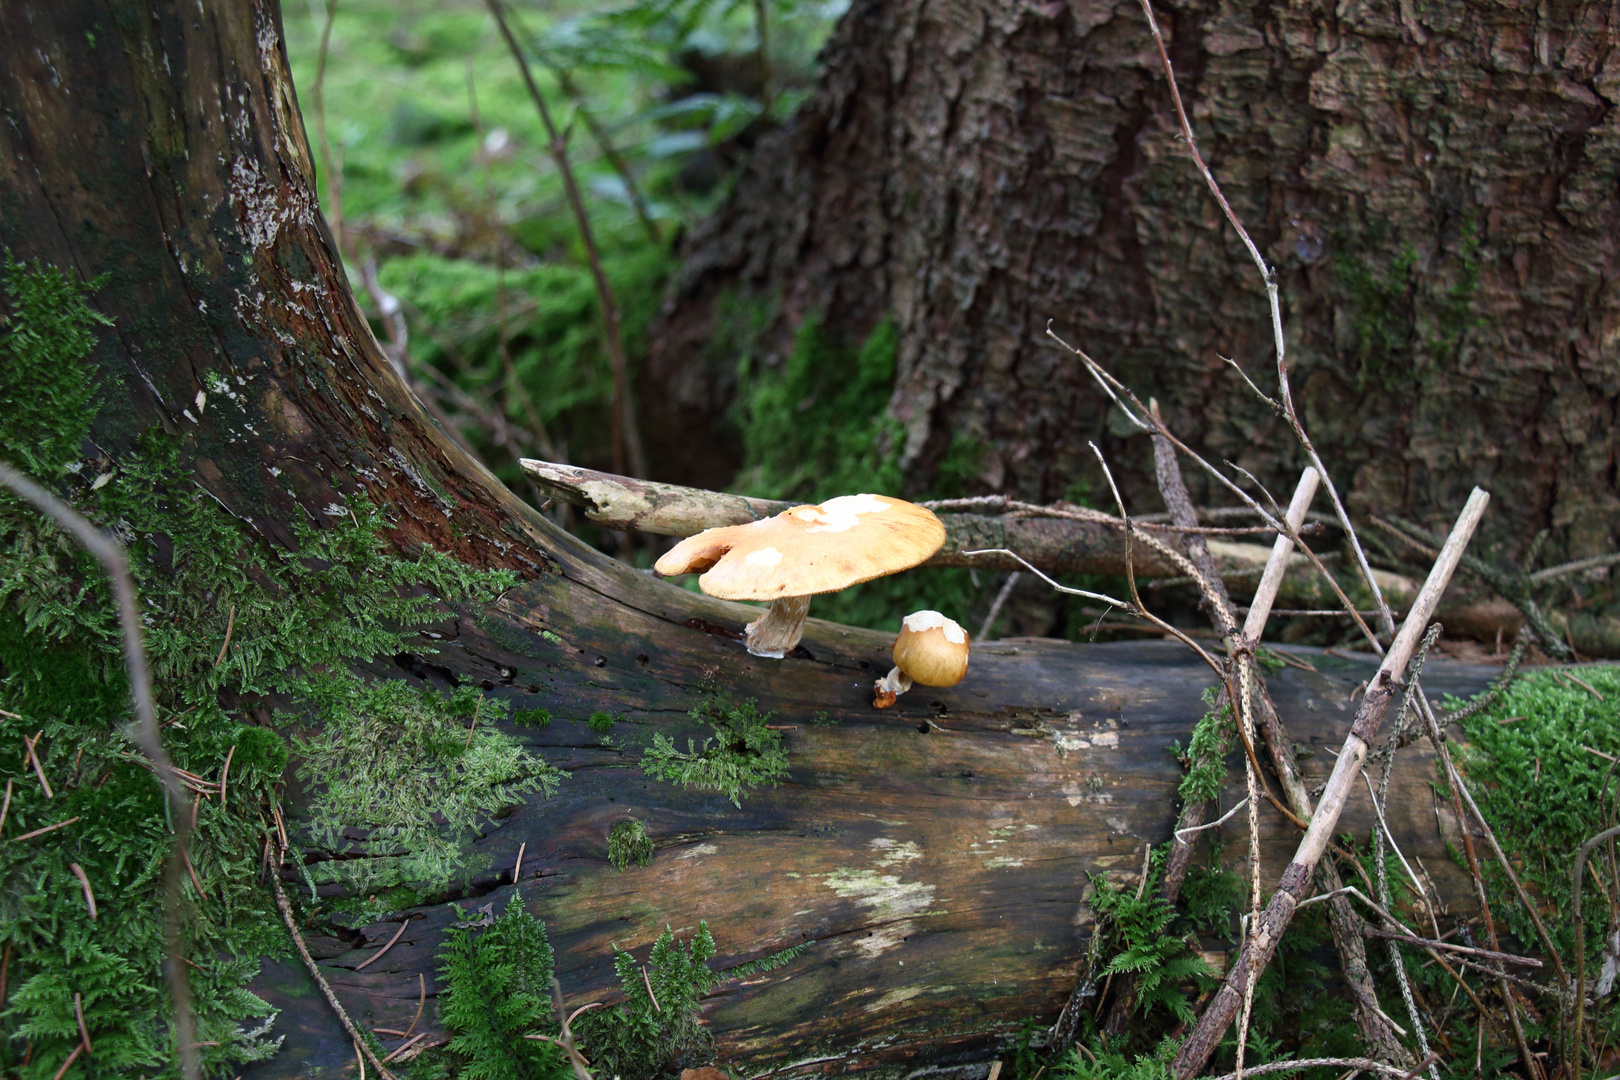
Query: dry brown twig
[[1262, 941], [362, 1046]]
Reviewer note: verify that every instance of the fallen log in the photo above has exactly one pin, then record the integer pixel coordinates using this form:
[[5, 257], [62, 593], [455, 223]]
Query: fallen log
[[936, 857]]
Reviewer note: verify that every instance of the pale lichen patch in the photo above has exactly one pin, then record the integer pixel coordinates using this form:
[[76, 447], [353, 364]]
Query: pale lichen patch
[[895, 852]]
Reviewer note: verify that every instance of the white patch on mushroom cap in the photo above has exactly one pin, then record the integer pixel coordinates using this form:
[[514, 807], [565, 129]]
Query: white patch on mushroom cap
[[763, 557], [843, 513], [919, 621]]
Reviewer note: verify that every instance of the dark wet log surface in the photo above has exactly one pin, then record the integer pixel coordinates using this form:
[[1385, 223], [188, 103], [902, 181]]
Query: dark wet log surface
[[940, 872]]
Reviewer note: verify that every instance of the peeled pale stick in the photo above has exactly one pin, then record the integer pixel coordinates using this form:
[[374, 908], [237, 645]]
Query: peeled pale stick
[[803, 551], [931, 650]]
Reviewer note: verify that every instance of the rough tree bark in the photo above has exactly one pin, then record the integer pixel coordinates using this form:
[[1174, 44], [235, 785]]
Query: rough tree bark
[[1436, 184], [939, 869]]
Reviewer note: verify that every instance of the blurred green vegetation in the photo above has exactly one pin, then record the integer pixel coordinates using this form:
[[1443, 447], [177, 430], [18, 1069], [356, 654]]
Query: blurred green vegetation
[[435, 172]]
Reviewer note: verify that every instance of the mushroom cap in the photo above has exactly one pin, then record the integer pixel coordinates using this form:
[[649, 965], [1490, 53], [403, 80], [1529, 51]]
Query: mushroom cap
[[931, 649], [809, 549]]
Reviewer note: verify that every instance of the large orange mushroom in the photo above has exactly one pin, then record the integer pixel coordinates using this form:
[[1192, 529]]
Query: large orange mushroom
[[803, 551]]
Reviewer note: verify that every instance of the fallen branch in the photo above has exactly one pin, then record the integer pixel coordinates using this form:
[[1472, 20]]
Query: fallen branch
[[1263, 939]]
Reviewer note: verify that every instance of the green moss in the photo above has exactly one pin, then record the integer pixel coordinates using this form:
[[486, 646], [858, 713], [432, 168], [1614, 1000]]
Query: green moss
[[1205, 756], [1545, 793], [47, 392], [298, 620], [600, 722], [402, 764], [1407, 320], [742, 754], [532, 717], [629, 844]]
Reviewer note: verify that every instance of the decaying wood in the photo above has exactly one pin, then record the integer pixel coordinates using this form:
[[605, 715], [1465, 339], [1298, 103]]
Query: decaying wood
[[937, 855]]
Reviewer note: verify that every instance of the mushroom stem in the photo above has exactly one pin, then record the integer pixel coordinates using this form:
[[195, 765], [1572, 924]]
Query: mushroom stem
[[780, 628], [890, 687]]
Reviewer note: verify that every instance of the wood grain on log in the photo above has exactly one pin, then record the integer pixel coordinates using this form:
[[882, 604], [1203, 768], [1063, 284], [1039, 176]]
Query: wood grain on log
[[941, 874]]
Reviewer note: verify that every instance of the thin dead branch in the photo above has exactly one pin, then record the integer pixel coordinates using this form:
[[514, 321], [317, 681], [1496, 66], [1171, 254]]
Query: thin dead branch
[[1263, 939], [362, 1045]]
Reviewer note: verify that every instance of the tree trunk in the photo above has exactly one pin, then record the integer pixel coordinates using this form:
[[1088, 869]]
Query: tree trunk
[[1434, 183], [936, 854]]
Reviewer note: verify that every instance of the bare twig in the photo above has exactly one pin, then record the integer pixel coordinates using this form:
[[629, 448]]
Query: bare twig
[[360, 1042], [1182, 834], [89, 893], [46, 829], [225, 773], [1263, 940], [404, 1046], [32, 757], [230, 624], [374, 957], [145, 731], [84, 1030], [997, 604], [421, 1001]]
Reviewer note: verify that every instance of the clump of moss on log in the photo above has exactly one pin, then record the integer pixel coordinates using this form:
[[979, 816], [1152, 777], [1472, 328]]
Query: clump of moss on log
[[743, 753], [629, 844]]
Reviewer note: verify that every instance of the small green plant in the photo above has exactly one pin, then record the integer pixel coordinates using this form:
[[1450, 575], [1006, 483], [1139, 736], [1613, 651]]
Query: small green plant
[[1161, 960], [742, 754], [600, 722], [628, 843], [497, 989], [1205, 756], [638, 1039], [532, 717], [401, 763], [45, 403], [656, 1027], [1114, 1064], [1268, 660]]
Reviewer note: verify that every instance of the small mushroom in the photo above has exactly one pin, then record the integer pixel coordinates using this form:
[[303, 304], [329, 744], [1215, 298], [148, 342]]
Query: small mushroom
[[804, 551], [931, 650]]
